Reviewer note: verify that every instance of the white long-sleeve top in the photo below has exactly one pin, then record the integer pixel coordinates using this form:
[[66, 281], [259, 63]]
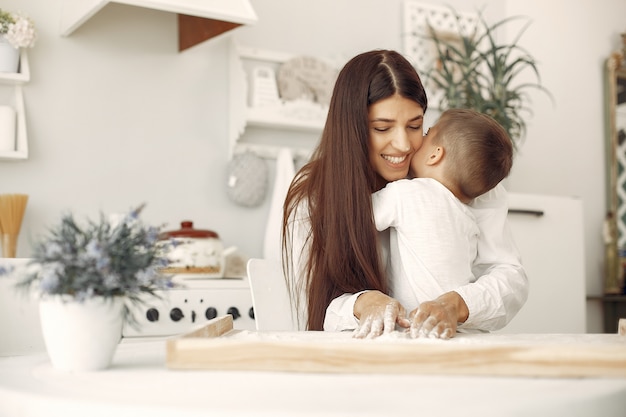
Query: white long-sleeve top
[[493, 297], [433, 240]]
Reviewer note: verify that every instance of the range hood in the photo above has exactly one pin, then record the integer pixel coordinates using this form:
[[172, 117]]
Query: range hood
[[198, 20]]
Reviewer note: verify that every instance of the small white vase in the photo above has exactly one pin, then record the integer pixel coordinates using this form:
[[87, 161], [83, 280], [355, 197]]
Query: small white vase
[[9, 56], [81, 336]]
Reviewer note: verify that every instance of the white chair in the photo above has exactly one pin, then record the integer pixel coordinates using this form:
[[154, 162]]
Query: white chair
[[270, 299]]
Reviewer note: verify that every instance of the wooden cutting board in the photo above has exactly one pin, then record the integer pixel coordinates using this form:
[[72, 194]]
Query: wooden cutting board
[[216, 346]]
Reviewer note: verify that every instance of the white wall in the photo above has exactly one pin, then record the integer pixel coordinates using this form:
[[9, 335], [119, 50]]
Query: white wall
[[565, 149], [116, 116]]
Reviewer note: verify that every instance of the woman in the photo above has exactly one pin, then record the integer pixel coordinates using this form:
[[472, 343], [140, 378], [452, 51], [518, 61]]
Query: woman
[[334, 259]]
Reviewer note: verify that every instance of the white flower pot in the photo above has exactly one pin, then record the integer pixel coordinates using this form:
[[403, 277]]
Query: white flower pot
[[9, 56], [81, 336]]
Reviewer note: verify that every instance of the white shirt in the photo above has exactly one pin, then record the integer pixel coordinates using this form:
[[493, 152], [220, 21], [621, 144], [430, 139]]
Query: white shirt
[[500, 288], [433, 240]]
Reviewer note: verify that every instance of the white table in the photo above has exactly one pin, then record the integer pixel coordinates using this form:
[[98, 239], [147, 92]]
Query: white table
[[139, 384]]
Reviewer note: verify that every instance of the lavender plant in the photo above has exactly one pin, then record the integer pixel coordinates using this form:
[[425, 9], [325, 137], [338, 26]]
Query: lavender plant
[[109, 258]]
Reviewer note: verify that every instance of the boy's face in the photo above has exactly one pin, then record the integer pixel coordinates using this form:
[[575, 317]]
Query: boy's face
[[419, 162]]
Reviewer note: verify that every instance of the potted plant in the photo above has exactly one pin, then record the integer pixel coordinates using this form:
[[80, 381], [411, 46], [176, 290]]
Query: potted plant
[[85, 275], [474, 71], [16, 31]]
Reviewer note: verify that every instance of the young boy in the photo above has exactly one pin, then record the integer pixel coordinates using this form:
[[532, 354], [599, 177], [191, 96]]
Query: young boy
[[433, 236]]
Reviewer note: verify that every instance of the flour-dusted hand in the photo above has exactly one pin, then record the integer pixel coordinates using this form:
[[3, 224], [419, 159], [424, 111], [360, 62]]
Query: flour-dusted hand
[[378, 313], [438, 318], [433, 319]]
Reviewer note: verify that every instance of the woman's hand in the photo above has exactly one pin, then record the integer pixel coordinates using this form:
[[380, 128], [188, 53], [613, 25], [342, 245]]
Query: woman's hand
[[438, 318], [378, 313]]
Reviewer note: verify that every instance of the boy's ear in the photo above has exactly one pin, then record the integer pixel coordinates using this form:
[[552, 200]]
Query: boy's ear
[[435, 156]]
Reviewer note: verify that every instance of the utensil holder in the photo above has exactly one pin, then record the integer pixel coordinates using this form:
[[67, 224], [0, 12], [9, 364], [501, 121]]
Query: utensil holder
[[9, 246]]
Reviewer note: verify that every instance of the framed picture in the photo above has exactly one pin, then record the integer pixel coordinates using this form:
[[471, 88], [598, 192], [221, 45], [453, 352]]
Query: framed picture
[[420, 50]]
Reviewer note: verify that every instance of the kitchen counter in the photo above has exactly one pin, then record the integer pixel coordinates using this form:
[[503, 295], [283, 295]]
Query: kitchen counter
[[139, 384]]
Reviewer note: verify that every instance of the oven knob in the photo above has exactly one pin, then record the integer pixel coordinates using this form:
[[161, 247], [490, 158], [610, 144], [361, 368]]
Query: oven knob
[[152, 314], [233, 311], [251, 313], [176, 314], [210, 313]]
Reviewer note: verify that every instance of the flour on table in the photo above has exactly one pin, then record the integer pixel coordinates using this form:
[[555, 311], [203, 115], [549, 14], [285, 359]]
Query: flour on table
[[325, 337], [402, 337]]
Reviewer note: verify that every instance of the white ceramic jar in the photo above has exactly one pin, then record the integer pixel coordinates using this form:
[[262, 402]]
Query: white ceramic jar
[[195, 251]]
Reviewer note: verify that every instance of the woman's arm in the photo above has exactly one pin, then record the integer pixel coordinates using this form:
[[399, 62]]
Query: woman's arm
[[344, 312], [298, 229], [372, 313], [340, 312], [501, 287]]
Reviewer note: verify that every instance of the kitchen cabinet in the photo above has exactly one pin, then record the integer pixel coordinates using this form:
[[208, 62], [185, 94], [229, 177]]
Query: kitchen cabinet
[[11, 83], [300, 120], [198, 20], [613, 309], [548, 232]]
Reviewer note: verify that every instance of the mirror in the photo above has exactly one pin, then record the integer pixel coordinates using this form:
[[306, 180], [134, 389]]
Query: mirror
[[615, 232]]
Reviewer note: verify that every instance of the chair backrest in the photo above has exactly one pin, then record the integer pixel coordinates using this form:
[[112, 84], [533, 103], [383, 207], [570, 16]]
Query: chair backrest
[[270, 298]]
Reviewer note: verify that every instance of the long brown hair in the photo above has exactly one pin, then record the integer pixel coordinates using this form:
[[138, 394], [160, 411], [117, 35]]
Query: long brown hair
[[336, 186]]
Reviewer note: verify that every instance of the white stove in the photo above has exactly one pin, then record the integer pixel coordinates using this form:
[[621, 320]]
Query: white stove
[[192, 302]]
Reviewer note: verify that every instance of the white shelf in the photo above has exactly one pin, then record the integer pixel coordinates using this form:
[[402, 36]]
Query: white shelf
[[307, 117], [77, 12], [274, 119], [16, 80], [270, 151]]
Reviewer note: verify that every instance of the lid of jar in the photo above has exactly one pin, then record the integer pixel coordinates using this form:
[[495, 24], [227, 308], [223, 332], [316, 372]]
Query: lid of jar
[[187, 230]]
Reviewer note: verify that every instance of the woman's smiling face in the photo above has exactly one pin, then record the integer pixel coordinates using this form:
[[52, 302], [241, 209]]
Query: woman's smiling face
[[395, 133]]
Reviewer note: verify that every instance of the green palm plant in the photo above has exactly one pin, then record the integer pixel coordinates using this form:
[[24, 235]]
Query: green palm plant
[[474, 71]]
